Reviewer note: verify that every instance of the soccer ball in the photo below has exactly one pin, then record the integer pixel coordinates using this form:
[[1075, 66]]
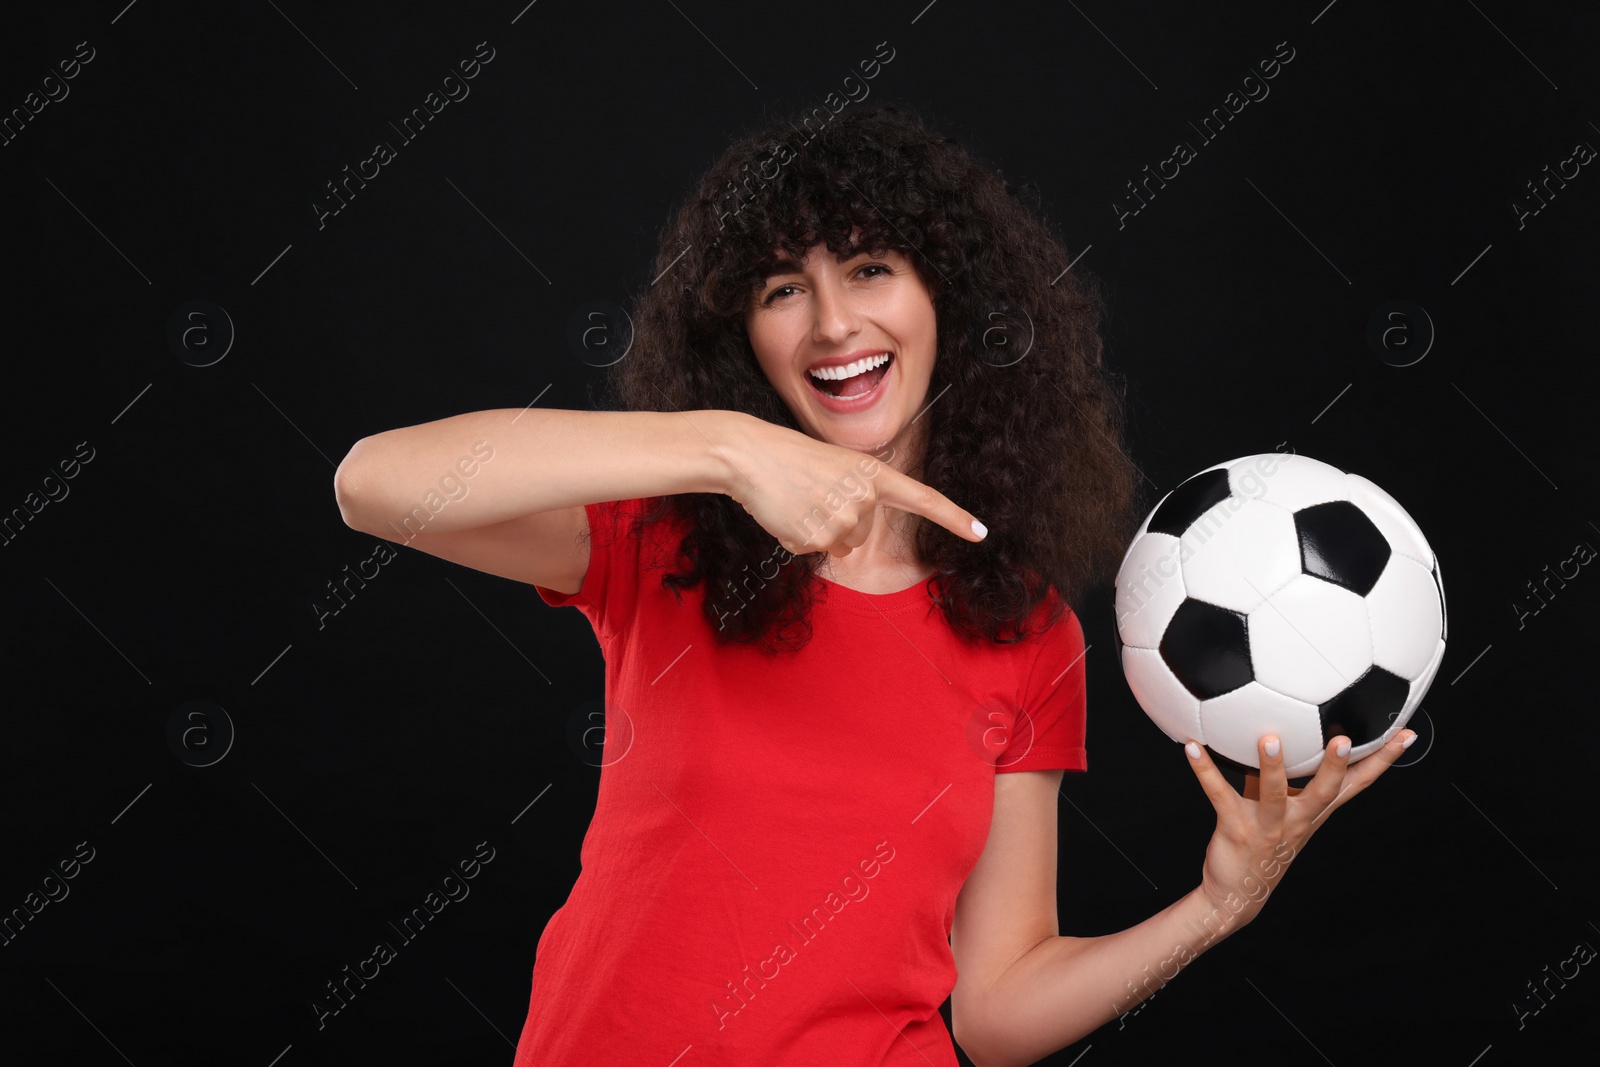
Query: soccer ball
[[1279, 594]]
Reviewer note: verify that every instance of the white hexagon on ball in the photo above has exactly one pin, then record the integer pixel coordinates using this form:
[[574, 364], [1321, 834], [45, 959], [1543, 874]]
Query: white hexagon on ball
[[1236, 559], [1310, 640]]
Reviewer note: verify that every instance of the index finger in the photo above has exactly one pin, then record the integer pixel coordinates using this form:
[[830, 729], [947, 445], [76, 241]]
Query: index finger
[[1216, 787], [907, 494]]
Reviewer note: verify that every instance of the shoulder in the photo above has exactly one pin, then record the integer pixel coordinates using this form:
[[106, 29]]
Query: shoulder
[[642, 519], [1051, 627]]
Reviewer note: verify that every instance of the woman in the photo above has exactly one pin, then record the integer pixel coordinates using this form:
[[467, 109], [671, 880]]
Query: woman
[[838, 707]]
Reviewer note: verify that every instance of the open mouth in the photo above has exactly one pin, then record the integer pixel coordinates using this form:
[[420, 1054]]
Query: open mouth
[[861, 383]]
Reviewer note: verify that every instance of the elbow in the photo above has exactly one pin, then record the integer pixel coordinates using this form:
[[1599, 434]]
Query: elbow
[[968, 1032], [347, 489], [969, 1048], [983, 1044], [980, 1056], [983, 1057]]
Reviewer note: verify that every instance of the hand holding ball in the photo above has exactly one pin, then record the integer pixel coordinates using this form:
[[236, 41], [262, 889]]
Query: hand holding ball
[[1279, 594]]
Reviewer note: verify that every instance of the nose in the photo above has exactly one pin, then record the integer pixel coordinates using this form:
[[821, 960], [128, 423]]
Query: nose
[[834, 314]]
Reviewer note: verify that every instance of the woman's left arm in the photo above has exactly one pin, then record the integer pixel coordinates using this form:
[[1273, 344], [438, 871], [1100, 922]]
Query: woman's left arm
[[1024, 991]]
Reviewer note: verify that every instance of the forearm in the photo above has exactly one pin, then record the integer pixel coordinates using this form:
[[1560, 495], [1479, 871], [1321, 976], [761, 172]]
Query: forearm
[[1066, 987], [538, 459]]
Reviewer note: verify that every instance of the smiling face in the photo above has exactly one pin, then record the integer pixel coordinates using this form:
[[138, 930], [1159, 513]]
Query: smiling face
[[846, 317]]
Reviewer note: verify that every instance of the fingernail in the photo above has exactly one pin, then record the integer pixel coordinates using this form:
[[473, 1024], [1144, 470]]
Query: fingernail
[[1407, 742], [980, 529], [1193, 750], [1343, 750], [1272, 748]]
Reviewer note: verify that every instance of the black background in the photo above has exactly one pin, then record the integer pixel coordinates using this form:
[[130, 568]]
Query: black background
[[373, 754]]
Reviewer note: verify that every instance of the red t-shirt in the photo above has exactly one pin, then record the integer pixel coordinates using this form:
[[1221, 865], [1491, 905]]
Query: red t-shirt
[[771, 870]]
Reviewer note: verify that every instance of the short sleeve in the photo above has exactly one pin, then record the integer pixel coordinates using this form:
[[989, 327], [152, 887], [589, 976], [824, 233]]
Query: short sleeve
[[609, 594], [1049, 730]]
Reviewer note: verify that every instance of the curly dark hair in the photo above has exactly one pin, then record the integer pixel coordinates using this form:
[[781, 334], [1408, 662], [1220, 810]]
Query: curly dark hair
[[1026, 432]]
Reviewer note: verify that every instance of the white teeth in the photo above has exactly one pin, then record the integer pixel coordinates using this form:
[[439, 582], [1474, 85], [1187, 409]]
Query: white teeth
[[860, 366]]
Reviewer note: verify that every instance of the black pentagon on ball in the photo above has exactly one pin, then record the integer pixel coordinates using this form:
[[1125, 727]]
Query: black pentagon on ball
[[1207, 649], [1366, 707], [1339, 544], [1189, 501]]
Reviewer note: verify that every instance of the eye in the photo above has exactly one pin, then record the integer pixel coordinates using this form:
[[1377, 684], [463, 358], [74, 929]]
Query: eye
[[884, 268], [773, 295]]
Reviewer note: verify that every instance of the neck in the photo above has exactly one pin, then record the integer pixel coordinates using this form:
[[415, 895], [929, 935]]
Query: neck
[[888, 548]]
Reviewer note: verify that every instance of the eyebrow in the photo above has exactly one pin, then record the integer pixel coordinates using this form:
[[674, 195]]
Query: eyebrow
[[784, 265]]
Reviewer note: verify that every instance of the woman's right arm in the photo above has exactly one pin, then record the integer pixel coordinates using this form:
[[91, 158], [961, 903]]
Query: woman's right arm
[[503, 491]]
